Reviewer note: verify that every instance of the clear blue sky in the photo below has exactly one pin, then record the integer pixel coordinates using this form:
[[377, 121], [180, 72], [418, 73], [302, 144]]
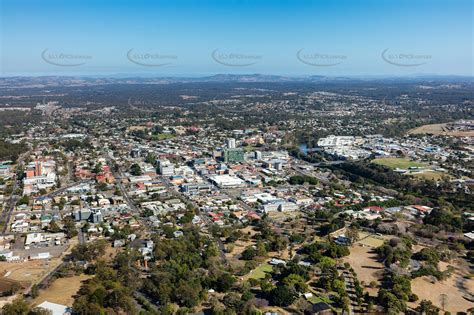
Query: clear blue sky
[[333, 37]]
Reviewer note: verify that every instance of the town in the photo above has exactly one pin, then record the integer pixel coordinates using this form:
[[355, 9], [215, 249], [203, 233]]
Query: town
[[181, 215]]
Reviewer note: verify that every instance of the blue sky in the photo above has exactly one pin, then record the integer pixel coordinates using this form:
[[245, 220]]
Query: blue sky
[[202, 37]]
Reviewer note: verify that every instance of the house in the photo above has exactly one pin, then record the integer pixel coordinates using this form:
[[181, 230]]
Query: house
[[276, 261], [321, 308]]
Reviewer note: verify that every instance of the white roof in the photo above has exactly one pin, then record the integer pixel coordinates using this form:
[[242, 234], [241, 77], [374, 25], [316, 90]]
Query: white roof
[[56, 309], [469, 235]]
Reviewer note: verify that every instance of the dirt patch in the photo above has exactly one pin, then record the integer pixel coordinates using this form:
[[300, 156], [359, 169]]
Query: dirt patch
[[427, 289], [28, 271], [9, 285], [365, 264], [62, 290]]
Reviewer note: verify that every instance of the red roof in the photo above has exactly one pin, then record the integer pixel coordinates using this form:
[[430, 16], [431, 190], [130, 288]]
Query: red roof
[[374, 208]]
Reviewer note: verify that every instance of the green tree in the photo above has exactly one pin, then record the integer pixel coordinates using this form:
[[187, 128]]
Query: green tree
[[282, 295], [54, 227], [18, 307], [136, 170], [427, 307]]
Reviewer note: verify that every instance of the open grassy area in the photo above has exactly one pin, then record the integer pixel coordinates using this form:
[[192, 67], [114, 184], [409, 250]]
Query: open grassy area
[[62, 290], [163, 136], [260, 271], [394, 163], [317, 298], [436, 176], [365, 262]]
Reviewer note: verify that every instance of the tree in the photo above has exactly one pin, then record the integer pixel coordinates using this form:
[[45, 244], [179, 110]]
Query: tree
[[391, 302], [150, 158], [249, 253], [225, 282], [69, 227], [18, 307], [426, 307], [34, 292], [282, 295], [297, 282], [353, 234], [54, 227], [40, 311], [24, 200], [136, 170]]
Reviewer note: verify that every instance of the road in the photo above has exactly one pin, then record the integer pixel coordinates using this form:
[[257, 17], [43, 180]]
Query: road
[[118, 177], [8, 210], [59, 191]]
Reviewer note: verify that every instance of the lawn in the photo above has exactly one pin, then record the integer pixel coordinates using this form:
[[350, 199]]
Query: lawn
[[260, 271], [394, 163], [370, 240], [317, 297]]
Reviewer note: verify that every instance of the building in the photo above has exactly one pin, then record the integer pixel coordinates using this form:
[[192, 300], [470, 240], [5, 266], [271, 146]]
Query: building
[[233, 155], [227, 181], [92, 215], [4, 170], [39, 175], [231, 143], [193, 188], [165, 167], [56, 309]]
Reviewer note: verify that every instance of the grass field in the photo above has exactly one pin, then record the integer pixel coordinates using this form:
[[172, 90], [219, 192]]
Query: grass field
[[163, 136], [371, 241], [260, 271], [366, 265], [441, 129], [62, 290], [431, 175], [394, 163], [456, 288], [318, 297], [435, 129]]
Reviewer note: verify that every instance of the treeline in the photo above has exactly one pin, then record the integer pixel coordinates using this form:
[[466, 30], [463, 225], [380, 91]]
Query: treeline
[[301, 179], [14, 121], [11, 151], [363, 172]]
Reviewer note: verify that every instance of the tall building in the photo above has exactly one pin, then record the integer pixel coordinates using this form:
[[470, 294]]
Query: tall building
[[231, 143]]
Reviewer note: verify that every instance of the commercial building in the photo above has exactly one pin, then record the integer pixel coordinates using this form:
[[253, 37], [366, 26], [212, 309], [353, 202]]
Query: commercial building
[[227, 181], [233, 155], [231, 143]]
